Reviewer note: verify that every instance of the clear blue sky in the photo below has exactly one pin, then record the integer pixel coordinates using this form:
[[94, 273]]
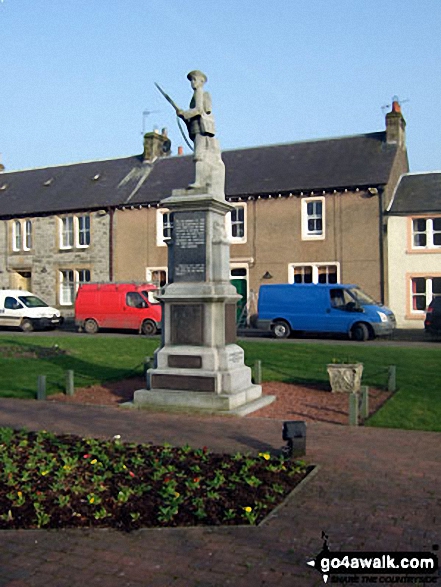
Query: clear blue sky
[[76, 75]]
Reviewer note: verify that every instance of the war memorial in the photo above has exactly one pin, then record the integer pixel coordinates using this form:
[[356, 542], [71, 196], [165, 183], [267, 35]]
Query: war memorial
[[199, 366]]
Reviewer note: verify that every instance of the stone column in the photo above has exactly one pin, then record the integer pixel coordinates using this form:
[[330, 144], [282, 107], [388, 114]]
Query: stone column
[[199, 366]]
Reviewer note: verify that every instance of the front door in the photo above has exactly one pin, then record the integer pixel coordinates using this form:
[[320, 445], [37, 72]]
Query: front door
[[239, 278]]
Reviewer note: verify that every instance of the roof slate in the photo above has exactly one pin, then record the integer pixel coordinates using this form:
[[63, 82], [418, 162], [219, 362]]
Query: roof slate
[[361, 160], [417, 193]]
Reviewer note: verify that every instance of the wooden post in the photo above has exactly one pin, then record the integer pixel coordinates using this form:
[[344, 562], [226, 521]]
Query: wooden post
[[353, 409], [147, 366], [258, 372], [41, 387], [70, 387], [364, 402], [392, 378]]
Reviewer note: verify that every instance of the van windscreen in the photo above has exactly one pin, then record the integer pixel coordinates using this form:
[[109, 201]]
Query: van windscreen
[[32, 302], [362, 298]]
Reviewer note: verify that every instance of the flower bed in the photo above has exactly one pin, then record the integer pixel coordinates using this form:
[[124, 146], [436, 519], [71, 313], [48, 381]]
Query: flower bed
[[50, 481]]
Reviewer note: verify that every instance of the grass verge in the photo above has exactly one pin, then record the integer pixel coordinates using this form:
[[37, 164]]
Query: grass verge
[[96, 360]]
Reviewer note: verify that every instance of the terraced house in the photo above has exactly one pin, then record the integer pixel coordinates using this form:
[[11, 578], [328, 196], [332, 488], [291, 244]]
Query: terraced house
[[414, 246], [309, 211]]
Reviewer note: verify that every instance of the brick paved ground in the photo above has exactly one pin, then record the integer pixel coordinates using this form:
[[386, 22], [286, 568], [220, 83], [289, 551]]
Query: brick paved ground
[[375, 490]]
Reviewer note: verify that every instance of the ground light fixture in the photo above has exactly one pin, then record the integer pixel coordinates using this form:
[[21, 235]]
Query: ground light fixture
[[294, 433]]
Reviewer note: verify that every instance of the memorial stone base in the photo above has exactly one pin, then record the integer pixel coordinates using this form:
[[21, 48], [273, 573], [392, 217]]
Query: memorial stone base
[[199, 367]]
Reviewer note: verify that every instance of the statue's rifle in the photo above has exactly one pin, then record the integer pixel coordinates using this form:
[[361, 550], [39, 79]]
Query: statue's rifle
[[176, 107]]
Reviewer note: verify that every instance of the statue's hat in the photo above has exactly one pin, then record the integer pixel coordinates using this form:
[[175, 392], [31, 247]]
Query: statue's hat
[[197, 72]]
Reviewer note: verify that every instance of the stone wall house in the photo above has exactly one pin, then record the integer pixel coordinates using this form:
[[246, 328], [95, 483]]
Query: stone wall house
[[309, 211], [414, 247]]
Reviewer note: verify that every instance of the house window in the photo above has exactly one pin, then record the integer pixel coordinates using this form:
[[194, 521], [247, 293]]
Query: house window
[[83, 231], [164, 227], [313, 218], [74, 232], [423, 290], [28, 236], [22, 235], [16, 238], [314, 273], [236, 224], [426, 233], [70, 280], [157, 275]]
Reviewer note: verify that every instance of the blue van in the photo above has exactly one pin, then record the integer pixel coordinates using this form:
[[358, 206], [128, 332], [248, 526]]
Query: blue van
[[336, 308]]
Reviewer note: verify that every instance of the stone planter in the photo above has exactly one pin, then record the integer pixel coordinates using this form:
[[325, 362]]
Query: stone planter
[[345, 377]]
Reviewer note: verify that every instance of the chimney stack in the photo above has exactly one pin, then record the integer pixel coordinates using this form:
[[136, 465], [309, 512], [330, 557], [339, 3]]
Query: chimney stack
[[396, 125], [156, 144]]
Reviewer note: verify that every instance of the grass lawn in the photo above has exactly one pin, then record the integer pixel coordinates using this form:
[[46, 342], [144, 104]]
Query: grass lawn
[[95, 359]]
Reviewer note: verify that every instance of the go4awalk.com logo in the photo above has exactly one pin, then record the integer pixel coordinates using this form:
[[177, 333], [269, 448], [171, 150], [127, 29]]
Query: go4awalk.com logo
[[411, 568]]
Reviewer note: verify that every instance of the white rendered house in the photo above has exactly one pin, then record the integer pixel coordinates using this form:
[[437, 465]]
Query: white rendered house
[[414, 246]]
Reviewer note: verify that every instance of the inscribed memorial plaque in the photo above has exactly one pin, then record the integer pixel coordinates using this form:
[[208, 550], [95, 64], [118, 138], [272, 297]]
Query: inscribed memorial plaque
[[187, 324], [189, 246]]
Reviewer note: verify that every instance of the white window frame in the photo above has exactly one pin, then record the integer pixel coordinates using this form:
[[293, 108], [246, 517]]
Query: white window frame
[[149, 273], [82, 231], [315, 270], [27, 235], [68, 289], [428, 293], [306, 233], [22, 235], [161, 213], [17, 235], [429, 232], [230, 223], [70, 229]]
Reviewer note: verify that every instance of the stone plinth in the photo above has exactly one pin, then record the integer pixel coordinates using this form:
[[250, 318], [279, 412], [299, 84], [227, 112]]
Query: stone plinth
[[345, 377], [199, 366]]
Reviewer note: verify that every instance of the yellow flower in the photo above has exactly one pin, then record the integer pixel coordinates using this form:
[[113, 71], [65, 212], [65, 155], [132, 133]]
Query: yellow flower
[[66, 468], [265, 455], [91, 500], [177, 494], [248, 509], [93, 461], [19, 493], [44, 473]]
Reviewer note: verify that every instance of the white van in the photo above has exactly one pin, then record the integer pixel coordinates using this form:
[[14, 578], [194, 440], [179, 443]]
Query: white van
[[26, 311]]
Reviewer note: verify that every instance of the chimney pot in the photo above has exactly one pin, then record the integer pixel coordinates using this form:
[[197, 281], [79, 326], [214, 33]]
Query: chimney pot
[[180, 150]]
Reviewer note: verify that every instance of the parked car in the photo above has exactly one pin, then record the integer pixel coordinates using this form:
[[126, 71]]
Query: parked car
[[117, 305], [432, 323], [27, 311], [330, 308]]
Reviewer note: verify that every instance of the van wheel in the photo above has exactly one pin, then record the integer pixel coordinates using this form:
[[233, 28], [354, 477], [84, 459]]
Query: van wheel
[[360, 332], [148, 327], [90, 326], [27, 326], [281, 329]]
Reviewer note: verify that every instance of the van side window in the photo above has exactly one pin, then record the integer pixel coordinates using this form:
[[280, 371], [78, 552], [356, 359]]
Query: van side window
[[340, 299], [12, 304], [135, 300]]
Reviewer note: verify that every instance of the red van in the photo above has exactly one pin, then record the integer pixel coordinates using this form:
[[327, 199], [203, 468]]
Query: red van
[[117, 305]]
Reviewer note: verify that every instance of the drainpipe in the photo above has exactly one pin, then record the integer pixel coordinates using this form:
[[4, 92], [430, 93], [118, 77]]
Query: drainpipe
[[111, 214], [381, 240]]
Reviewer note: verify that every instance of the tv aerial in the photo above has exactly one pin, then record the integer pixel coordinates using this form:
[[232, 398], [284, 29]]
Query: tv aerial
[[394, 99], [145, 114]]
